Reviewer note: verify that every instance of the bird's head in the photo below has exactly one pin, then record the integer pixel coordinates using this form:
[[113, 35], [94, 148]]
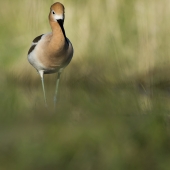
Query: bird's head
[[57, 13]]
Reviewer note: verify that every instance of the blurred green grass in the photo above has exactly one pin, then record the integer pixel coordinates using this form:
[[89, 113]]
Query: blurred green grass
[[113, 108]]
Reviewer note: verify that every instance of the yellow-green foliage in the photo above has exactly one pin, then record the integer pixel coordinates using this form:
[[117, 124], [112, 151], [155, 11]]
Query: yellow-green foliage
[[113, 107], [115, 39]]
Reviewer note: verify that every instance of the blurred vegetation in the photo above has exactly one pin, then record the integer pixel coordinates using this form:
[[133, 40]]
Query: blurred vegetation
[[114, 97]]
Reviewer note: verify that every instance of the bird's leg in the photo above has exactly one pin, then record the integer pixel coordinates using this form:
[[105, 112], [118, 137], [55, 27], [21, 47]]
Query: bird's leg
[[56, 90], [41, 72]]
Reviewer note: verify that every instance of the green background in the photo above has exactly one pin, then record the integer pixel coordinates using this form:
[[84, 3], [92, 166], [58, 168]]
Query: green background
[[114, 97]]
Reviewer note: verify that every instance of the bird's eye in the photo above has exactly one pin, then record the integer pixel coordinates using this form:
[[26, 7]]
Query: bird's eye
[[53, 12]]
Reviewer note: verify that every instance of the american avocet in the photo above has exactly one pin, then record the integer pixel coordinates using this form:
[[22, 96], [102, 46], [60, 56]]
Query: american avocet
[[51, 52]]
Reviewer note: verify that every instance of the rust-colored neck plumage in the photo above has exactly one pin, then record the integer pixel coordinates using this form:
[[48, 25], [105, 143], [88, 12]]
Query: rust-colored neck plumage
[[57, 39]]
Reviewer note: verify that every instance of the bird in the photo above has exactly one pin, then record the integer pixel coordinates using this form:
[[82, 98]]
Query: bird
[[52, 52]]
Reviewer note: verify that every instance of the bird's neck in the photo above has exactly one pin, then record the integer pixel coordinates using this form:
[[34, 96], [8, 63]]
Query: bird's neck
[[58, 38]]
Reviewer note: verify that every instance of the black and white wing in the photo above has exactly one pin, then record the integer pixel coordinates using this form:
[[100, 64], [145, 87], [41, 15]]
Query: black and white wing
[[34, 43]]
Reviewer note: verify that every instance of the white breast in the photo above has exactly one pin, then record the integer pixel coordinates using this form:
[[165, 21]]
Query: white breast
[[33, 56]]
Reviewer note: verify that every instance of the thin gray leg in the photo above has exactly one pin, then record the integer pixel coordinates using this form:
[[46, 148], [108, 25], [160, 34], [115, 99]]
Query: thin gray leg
[[42, 81], [56, 90]]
